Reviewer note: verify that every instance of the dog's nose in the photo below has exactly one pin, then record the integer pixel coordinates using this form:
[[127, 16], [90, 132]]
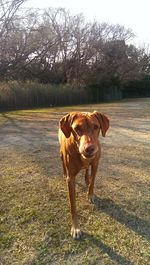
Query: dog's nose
[[90, 149]]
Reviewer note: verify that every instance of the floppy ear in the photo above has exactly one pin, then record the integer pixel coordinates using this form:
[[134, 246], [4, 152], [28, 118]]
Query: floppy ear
[[104, 122], [66, 122], [65, 125]]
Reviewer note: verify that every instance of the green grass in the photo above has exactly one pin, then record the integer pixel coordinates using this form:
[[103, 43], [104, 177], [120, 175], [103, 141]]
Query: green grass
[[34, 209]]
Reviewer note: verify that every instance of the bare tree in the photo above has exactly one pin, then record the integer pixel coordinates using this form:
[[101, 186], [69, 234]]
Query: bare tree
[[8, 24], [54, 46], [8, 12]]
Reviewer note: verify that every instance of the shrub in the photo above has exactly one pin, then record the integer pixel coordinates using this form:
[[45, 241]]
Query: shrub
[[19, 95]]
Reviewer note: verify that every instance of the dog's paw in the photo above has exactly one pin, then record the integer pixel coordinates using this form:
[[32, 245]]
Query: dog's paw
[[92, 198], [76, 233]]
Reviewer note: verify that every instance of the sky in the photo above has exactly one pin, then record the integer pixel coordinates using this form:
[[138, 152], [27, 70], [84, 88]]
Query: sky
[[134, 14]]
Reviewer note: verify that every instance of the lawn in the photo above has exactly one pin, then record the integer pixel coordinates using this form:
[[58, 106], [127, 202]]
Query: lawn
[[34, 209]]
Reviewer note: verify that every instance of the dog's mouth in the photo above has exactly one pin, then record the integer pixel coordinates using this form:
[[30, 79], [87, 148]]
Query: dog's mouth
[[88, 156], [88, 151]]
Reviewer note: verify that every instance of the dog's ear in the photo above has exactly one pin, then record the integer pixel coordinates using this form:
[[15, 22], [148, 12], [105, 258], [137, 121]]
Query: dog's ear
[[65, 124], [103, 120]]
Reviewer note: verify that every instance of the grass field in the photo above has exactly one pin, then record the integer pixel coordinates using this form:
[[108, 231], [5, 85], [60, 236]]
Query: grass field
[[34, 209]]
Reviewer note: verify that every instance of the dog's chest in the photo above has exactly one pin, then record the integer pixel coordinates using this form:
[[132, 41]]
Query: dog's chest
[[85, 163]]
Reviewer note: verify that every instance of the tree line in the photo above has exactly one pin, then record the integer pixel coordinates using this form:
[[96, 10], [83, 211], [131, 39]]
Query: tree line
[[53, 46]]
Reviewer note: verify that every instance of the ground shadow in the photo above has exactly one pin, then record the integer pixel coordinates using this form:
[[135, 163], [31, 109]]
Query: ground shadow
[[31, 132], [108, 250], [133, 222], [37, 140]]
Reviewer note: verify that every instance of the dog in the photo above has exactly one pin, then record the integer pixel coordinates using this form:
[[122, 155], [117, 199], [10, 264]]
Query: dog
[[80, 149]]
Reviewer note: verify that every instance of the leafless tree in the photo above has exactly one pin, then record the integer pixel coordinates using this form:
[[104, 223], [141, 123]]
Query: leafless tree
[[8, 13], [54, 46]]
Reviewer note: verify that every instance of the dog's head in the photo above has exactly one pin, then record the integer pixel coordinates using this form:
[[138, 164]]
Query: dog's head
[[85, 128]]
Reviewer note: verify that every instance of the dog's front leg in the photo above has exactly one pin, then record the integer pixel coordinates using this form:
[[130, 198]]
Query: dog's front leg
[[75, 231], [64, 165], [91, 196], [87, 177]]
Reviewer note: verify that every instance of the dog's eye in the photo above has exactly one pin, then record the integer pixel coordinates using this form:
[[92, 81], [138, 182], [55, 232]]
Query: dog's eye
[[78, 129], [96, 127]]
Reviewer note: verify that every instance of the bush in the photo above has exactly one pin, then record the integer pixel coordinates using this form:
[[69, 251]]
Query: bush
[[19, 95], [137, 88]]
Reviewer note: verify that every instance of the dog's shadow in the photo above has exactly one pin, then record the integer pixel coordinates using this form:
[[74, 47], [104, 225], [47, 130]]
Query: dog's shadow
[[130, 220], [138, 225], [107, 250]]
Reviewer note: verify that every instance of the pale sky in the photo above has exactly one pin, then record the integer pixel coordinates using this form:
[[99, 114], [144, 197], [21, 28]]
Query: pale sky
[[134, 14]]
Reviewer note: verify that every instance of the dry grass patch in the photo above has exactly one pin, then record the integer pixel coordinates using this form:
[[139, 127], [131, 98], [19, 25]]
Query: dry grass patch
[[34, 210]]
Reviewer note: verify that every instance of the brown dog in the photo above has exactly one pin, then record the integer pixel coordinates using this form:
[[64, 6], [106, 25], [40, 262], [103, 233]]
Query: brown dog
[[80, 149]]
